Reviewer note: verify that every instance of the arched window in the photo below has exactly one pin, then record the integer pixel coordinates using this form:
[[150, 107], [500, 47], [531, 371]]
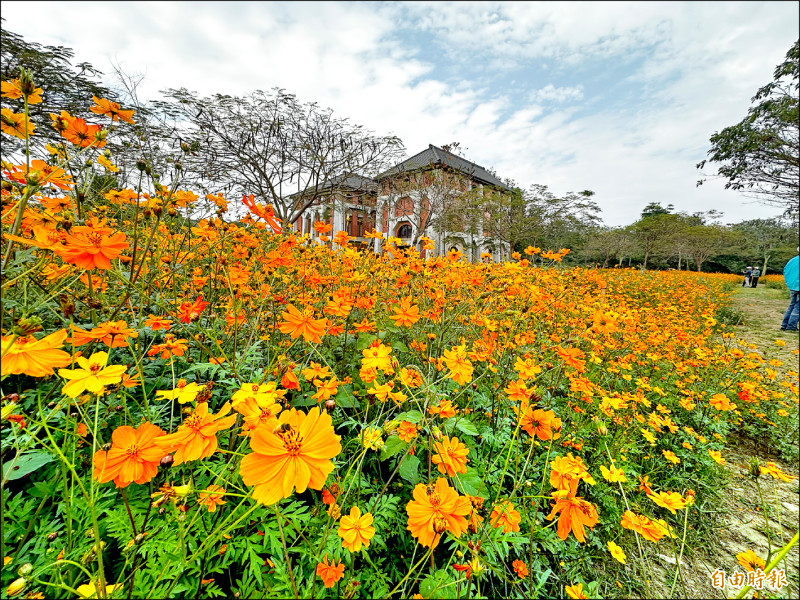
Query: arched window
[[404, 231]]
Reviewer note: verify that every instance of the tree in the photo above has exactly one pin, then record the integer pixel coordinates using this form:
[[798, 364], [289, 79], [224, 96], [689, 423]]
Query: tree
[[64, 86], [271, 145], [764, 238], [563, 222], [651, 232], [705, 241], [759, 154], [655, 208]]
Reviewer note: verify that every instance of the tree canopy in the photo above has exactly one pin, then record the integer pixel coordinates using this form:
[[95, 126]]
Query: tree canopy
[[759, 154]]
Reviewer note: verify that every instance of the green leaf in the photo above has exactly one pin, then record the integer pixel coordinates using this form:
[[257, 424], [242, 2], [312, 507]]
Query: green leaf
[[345, 398], [409, 470], [364, 340], [24, 464], [438, 585], [412, 416], [467, 427], [393, 445], [471, 483], [399, 346]]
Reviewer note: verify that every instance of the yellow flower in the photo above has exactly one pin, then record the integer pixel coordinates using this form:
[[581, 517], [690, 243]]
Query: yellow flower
[[356, 530], [613, 474], [93, 375], [89, 590], [616, 552]]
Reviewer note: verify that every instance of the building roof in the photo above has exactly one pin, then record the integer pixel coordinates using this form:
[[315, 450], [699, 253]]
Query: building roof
[[346, 182], [437, 156]]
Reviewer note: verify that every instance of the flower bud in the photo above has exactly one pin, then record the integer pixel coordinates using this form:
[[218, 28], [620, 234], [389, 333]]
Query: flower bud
[[25, 570], [167, 461], [16, 587], [330, 404], [27, 326]]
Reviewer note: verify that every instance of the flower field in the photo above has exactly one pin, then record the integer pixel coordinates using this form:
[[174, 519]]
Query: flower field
[[198, 405]]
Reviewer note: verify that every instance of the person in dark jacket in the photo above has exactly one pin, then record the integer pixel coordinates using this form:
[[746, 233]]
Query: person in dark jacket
[[754, 277]]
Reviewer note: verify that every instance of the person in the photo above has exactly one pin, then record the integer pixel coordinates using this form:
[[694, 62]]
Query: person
[[754, 277], [790, 276], [747, 272]]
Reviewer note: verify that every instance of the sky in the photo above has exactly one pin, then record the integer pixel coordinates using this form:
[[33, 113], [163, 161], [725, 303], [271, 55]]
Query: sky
[[616, 97]]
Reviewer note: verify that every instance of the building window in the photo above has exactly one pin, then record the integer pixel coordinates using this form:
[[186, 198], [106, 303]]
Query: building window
[[404, 231]]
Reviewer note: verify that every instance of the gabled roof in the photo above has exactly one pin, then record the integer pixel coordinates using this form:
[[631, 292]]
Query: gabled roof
[[346, 182], [437, 156]]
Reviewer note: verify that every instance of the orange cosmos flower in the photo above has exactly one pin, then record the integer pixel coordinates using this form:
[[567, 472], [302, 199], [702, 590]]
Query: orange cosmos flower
[[450, 455], [775, 471], [155, 323], [111, 109], [460, 367], [190, 311], [575, 591], [298, 323], [356, 530], [93, 375], [377, 356], [649, 529], [539, 422], [506, 516], [567, 471], [517, 391], [407, 431], [81, 134], [211, 497], [405, 314], [293, 451], [574, 513], [644, 484], [46, 174], [445, 410], [572, 357], [113, 334], [364, 326], [43, 237], [15, 124], [13, 89], [750, 560], [133, 457], [170, 347], [330, 573], [93, 246], [520, 568], [197, 437], [38, 358], [670, 456], [668, 500], [721, 402], [436, 509]]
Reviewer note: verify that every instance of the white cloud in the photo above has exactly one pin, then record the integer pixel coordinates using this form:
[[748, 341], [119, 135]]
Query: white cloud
[[551, 93]]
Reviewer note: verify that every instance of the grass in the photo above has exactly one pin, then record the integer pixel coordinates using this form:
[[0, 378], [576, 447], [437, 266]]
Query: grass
[[763, 310]]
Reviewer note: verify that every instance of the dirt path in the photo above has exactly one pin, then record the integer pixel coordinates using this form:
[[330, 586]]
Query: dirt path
[[762, 310], [741, 522]]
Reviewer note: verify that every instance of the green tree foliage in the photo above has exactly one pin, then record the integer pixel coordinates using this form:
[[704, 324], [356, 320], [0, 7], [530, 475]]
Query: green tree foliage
[[559, 222], [760, 153], [764, 239], [655, 208]]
